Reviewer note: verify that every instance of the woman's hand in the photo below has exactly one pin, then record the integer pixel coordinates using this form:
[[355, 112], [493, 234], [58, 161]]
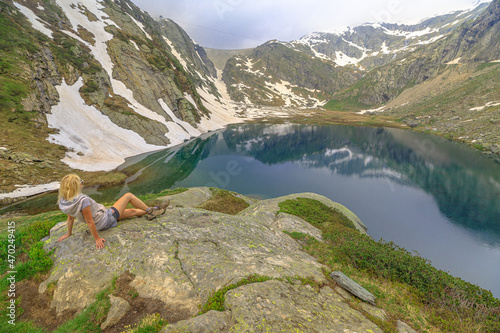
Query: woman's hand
[[99, 243], [64, 237]]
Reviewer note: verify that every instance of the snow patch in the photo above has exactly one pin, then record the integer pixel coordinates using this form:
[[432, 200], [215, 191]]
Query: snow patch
[[140, 25], [409, 34], [384, 48], [135, 45], [454, 61], [380, 109], [29, 190], [364, 49], [75, 36], [102, 144], [342, 59], [178, 129], [99, 50], [487, 105], [284, 89], [35, 21], [176, 54], [430, 41]]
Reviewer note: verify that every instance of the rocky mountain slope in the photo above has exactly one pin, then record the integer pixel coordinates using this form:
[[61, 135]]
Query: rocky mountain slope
[[101, 80], [475, 41], [440, 75], [277, 75], [449, 87], [84, 85], [370, 45], [306, 72]]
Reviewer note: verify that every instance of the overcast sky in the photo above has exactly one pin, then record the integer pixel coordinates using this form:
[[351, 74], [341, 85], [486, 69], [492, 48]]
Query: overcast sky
[[234, 24]]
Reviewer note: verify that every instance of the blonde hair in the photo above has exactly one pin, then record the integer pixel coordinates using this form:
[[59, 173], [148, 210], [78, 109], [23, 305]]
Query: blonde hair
[[69, 187]]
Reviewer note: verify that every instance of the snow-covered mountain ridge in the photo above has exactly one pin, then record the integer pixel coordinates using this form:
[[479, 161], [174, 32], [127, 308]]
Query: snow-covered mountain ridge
[[308, 71], [373, 44]]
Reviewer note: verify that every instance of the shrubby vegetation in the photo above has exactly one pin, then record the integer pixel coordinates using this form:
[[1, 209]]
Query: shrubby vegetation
[[446, 302]]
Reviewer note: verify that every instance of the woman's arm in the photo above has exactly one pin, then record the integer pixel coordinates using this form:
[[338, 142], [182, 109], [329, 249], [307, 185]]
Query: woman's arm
[[69, 224], [87, 214]]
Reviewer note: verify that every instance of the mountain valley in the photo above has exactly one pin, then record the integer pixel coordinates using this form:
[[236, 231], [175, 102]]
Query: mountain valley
[[86, 84]]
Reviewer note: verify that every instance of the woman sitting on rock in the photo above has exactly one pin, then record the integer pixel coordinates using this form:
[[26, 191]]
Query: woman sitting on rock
[[80, 206]]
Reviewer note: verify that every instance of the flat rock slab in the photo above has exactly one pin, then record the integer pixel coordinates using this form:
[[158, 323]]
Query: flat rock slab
[[353, 287], [193, 197], [178, 258], [210, 322], [292, 223], [183, 256], [279, 306]]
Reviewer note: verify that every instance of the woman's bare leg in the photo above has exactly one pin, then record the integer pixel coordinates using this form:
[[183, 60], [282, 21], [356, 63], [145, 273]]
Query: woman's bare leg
[[122, 203], [131, 213]]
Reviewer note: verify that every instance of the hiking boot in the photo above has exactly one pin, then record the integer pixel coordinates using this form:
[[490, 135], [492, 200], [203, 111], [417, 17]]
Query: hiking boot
[[164, 204], [156, 211]]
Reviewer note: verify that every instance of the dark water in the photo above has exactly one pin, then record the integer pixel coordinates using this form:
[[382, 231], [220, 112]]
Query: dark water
[[424, 193]]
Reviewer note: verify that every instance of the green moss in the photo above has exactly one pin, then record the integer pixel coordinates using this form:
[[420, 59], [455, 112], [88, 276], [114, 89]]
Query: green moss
[[225, 202], [315, 212], [216, 299]]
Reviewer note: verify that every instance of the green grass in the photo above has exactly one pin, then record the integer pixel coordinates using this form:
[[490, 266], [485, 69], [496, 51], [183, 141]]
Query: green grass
[[484, 65], [216, 299], [225, 202], [315, 212], [150, 324], [25, 236], [444, 301], [152, 197], [348, 104], [89, 320]]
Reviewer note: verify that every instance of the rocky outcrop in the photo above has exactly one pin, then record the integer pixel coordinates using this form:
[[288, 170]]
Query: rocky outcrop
[[119, 307], [278, 306], [183, 256], [130, 74], [351, 286], [189, 50]]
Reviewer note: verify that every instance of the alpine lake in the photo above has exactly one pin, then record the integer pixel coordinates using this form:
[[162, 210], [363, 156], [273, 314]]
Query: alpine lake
[[424, 193]]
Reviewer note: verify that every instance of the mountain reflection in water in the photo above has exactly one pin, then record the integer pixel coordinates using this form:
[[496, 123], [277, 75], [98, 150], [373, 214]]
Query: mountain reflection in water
[[464, 183]]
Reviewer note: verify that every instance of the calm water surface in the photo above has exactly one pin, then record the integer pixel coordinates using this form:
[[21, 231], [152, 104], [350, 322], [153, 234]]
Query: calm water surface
[[424, 193]]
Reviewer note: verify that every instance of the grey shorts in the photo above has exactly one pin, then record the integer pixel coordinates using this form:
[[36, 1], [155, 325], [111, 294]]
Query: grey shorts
[[110, 219]]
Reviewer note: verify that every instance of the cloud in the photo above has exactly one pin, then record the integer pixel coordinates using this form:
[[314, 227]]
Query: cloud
[[248, 23]]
